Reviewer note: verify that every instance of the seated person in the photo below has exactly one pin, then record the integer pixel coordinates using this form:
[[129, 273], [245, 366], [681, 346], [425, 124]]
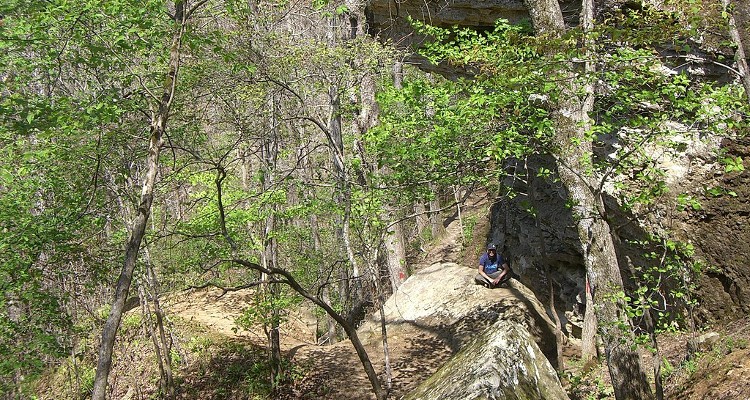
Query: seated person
[[493, 270]]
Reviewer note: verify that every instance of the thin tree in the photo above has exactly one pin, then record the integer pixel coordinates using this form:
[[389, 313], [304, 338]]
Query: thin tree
[[160, 113], [739, 53]]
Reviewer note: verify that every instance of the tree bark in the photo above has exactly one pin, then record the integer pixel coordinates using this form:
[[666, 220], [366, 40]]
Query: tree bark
[[572, 124], [588, 334], [329, 335], [739, 54], [159, 118], [395, 254], [149, 294], [270, 151]]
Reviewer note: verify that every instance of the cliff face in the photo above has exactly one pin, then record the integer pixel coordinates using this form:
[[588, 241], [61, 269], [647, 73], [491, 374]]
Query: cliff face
[[545, 248]]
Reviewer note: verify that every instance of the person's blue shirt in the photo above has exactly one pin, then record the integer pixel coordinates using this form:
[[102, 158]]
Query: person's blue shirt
[[491, 265]]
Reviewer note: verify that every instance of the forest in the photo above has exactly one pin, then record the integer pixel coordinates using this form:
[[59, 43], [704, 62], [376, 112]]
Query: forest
[[307, 150]]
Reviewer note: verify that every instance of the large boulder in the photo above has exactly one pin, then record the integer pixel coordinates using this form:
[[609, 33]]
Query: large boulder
[[504, 330], [502, 362]]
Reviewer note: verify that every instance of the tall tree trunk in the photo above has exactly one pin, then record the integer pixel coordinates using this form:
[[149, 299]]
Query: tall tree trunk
[[270, 152], [588, 333], [739, 54], [572, 124], [329, 333], [344, 28], [395, 254], [159, 117], [394, 238], [154, 320]]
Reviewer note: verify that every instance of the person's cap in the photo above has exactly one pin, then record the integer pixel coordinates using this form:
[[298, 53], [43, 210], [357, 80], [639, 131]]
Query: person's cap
[[491, 247]]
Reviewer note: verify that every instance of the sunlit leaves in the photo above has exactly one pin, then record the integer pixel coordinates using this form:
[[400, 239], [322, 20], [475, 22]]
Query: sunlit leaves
[[456, 131], [77, 78]]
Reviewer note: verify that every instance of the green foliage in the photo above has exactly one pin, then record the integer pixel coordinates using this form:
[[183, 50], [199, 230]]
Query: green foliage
[[256, 379], [718, 191], [588, 384], [267, 309], [667, 369], [77, 78], [732, 164], [80, 80], [454, 132], [469, 223], [199, 345], [685, 201], [131, 322], [666, 285], [690, 365]]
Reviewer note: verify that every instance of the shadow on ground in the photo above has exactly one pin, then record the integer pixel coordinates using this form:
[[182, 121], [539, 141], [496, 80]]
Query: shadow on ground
[[235, 371]]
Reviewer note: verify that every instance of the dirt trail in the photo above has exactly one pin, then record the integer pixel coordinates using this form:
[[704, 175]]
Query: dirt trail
[[335, 372]]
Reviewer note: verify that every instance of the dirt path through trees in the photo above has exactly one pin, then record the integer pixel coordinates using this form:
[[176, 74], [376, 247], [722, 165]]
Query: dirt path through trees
[[334, 372]]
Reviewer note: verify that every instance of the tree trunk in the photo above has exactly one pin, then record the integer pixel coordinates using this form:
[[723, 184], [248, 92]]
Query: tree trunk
[[588, 334], [131, 254], [572, 124], [270, 152], [159, 118], [398, 74], [395, 254], [154, 320], [739, 54]]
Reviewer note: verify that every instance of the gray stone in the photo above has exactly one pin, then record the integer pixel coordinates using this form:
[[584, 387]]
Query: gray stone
[[502, 362], [501, 340]]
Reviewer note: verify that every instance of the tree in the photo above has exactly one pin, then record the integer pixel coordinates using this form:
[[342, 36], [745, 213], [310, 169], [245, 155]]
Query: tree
[[574, 154], [739, 52], [64, 102], [160, 113], [555, 113]]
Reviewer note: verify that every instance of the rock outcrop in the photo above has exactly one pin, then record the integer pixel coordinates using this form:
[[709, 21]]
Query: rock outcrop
[[502, 362], [501, 340], [545, 248]]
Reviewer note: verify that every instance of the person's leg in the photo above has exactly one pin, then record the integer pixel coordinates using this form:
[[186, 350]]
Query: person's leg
[[506, 278], [493, 276], [480, 280]]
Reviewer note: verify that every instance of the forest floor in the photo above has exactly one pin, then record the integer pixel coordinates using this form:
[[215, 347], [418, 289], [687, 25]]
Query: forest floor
[[229, 371]]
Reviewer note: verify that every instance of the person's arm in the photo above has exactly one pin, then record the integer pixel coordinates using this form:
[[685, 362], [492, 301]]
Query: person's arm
[[506, 269], [481, 272]]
